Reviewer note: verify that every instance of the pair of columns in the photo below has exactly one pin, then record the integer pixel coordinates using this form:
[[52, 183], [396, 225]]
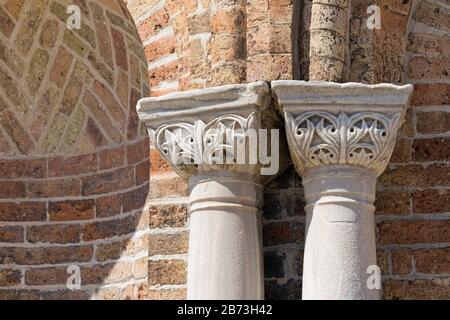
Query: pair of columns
[[226, 141]]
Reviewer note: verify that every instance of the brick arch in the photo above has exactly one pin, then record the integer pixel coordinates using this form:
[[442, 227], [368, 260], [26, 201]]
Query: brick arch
[[73, 156]]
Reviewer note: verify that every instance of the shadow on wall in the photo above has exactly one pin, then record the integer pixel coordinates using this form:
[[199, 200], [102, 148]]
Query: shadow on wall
[[74, 164]]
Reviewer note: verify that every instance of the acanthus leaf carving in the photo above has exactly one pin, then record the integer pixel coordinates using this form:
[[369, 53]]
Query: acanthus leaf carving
[[186, 146], [365, 139]]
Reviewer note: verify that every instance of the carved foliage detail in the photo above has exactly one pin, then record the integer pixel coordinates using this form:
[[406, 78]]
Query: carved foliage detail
[[186, 146], [364, 139]]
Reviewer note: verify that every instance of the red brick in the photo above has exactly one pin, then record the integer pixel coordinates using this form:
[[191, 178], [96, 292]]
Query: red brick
[[167, 272], [433, 122], [392, 203], [113, 158], [416, 289], [166, 72], [47, 276], [133, 118], [160, 47], [54, 188], [23, 211], [10, 277], [432, 261], [142, 171], [157, 163], [431, 201], [401, 262], [410, 232], [108, 182], [436, 149], [71, 210], [13, 294], [136, 199], [105, 274], [12, 189], [152, 25], [11, 234], [12, 169], [138, 152], [108, 229], [63, 167], [416, 176], [45, 255], [431, 94], [276, 233], [67, 295], [109, 206], [120, 49], [61, 234]]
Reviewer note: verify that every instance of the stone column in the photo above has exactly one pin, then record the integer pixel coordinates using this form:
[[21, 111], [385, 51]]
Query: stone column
[[341, 137], [209, 137]]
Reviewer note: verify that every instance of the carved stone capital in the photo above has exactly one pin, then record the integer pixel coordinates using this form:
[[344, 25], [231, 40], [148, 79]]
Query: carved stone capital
[[336, 124], [200, 130]]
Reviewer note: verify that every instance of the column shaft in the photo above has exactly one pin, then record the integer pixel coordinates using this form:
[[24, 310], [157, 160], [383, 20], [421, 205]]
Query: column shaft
[[225, 247], [340, 236]]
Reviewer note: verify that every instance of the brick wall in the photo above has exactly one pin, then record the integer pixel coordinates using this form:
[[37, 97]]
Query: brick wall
[[73, 157], [195, 44]]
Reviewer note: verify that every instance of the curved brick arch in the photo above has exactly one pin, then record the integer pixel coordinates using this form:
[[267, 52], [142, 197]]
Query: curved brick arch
[[73, 155]]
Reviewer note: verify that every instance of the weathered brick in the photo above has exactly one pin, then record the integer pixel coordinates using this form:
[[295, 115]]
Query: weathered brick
[[22, 211], [276, 233], [108, 229], [167, 216], [107, 273], [67, 166], [171, 294], [47, 276], [54, 188], [162, 186], [402, 262], [168, 244], [12, 189], [136, 199], [431, 94], [108, 182], [431, 201], [61, 234], [71, 210], [138, 152], [112, 158], [432, 261], [45, 255], [10, 277], [392, 203], [109, 206], [167, 272], [142, 172], [416, 176], [416, 289], [11, 234], [433, 122], [410, 232], [61, 67]]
